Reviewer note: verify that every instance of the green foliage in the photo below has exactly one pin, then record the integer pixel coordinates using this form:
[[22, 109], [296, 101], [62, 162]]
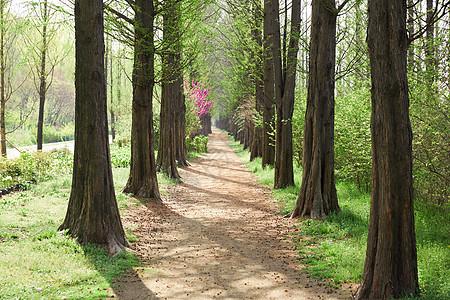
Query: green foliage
[[353, 160], [22, 137], [335, 248], [26, 136], [298, 122], [38, 262], [120, 156], [198, 144], [64, 133], [431, 136], [123, 130], [32, 167]]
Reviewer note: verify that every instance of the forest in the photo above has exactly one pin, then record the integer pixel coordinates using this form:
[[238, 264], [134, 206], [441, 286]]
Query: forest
[[200, 146]]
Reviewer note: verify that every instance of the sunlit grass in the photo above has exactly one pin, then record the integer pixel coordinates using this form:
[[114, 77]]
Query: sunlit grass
[[38, 262], [336, 247]]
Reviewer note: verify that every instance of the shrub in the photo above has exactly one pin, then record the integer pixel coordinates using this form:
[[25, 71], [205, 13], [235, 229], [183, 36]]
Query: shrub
[[32, 167], [120, 156], [198, 144], [352, 136]]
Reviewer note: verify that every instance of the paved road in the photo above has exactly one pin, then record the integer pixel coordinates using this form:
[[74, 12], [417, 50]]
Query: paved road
[[13, 153]]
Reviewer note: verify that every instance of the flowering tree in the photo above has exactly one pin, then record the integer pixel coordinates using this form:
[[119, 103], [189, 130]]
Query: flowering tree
[[199, 118]]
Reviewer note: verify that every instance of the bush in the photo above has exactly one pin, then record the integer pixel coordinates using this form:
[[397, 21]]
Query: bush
[[198, 144], [298, 122], [430, 121], [353, 158], [64, 133], [32, 167], [120, 156], [123, 129]]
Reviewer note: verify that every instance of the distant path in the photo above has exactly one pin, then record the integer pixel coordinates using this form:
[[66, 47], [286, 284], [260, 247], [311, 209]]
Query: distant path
[[13, 153], [219, 235]]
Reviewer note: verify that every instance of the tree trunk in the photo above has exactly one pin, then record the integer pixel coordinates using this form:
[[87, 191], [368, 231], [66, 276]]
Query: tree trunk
[[284, 94], [181, 127], [42, 79], [390, 269], [170, 95], [2, 79], [143, 182], [92, 214], [256, 146], [317, 196], [268, 148]]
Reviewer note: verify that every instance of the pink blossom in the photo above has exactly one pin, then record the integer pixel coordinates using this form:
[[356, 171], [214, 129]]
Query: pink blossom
[[198, 94]]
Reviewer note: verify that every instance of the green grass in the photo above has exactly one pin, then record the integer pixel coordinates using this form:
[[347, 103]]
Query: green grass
[[335, 248], [38, 262]]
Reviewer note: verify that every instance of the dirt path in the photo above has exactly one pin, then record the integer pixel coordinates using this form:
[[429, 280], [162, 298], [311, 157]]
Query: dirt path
[[217, 236]]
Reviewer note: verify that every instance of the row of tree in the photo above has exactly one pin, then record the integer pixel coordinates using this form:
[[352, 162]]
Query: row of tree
[[31, 52], [256, 62], [154, 30], [333, 52]]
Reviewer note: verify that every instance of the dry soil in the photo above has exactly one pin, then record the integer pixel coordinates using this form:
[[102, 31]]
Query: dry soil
[[218, 235]]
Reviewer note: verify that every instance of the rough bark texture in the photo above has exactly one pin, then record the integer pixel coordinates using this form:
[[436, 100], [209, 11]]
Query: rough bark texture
[[317, 196], [268, 148], [170, 95], [284, 94], [390, 269], [205, 121], [143, 182], [92, 214], [180, 120]]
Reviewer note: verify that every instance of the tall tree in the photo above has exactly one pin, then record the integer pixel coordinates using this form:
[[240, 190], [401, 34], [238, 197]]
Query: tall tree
[[171, 94], [390, 269], [10, 65], [42, 75], [268, 151], [92, 214], [256, 146], [284, 95], [142, 182], [317, 196]]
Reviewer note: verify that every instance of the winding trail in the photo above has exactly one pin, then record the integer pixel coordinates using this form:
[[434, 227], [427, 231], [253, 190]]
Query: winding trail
[[218, 235]]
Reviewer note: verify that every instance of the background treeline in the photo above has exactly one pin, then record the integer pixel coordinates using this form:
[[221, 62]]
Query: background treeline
[[429, 90]]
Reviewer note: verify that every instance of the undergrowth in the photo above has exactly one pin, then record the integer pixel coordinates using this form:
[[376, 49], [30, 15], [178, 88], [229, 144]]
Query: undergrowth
[[37, 261], [334, 249]]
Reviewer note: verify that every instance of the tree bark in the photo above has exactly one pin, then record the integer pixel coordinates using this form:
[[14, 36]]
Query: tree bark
[[92, 214], [390, 269], [170, 95], [142, 182], [268, 148], [317, 196], [180, 120], [285, 94]]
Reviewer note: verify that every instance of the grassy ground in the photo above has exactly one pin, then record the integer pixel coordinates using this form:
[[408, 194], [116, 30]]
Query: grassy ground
[[38, 262], [336, 248]]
